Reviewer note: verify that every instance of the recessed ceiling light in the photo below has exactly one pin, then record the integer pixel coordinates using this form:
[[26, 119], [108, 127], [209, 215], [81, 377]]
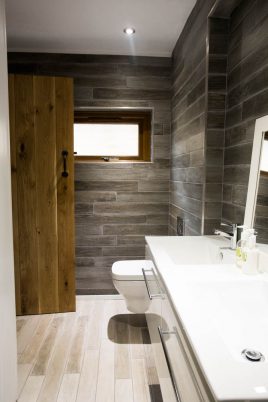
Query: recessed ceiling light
[[129, 31]]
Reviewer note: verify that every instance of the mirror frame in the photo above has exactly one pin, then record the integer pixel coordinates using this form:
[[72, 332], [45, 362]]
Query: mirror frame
[[261, 127]]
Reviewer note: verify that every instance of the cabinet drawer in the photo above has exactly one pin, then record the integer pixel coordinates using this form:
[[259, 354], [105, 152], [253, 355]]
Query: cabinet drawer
[[186, 382]]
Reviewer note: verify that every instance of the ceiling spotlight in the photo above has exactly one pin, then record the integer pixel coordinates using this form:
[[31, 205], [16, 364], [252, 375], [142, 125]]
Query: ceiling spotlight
[[129, 31]]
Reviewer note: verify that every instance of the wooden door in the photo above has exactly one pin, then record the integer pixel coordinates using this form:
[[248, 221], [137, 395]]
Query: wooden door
[[41, 126]]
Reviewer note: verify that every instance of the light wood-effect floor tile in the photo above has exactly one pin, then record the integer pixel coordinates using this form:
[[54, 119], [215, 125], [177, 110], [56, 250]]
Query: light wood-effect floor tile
[[89, 376], [77, 349], [68, 389], [55, 370], [140, 383], [23, 373], [26, 332], [123, 390], [105, 385], [101, 353], [31, 389], [47, 347]]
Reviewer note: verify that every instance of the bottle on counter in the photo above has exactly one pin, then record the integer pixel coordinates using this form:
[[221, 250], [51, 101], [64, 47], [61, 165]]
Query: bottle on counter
[[241, 244], [250, 253]]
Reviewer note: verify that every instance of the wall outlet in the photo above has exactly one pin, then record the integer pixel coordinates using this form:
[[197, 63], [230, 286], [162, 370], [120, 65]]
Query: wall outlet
[[180, 226]]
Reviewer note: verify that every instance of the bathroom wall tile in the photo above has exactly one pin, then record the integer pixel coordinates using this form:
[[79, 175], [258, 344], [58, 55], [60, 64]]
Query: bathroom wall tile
[[106, 185], [147, 230]]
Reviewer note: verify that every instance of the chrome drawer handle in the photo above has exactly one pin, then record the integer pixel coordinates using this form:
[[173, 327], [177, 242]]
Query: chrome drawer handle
[[169, 366], [151, 295]]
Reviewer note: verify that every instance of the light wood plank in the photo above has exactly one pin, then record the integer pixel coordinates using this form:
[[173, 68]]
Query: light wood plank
[[31, 389], [23, 373], [46, 193], [122, 353], [88, 379], [68, 389], [108, 325], [123, 390], [26, 189], [105, 386], [77, 349], [94, 326], [20, 324], [140, 384], [35, 343], [137, 349], [55, 370], [65, 194], [46, 349], [26, 333]]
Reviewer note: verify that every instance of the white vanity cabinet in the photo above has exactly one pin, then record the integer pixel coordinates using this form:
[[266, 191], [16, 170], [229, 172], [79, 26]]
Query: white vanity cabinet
[[179, 377]]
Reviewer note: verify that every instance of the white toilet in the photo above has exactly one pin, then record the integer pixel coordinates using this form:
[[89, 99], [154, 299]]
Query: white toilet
[[129, 282]]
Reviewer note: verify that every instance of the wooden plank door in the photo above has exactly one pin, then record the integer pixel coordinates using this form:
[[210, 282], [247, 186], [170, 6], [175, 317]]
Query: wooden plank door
[[41, 122]]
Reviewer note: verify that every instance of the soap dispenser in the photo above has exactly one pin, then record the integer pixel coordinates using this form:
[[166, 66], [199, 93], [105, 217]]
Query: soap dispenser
[[250, 254]]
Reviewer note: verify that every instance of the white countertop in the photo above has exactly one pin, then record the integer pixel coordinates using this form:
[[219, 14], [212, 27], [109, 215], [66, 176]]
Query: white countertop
[[222, 311]]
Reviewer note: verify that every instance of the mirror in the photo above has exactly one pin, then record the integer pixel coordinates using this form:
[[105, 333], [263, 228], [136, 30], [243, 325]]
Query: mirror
[[256, 214]]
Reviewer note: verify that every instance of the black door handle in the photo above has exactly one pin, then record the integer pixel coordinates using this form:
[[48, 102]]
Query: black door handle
[[64, 155]]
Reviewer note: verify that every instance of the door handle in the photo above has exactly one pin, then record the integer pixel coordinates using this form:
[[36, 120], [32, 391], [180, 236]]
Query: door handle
[[64, 155]]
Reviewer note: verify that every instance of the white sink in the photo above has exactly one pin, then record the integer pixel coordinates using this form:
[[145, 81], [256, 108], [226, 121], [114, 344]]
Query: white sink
[[222, 311]]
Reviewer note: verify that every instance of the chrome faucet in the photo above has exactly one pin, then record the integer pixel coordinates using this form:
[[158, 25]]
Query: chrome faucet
[[232, 232]]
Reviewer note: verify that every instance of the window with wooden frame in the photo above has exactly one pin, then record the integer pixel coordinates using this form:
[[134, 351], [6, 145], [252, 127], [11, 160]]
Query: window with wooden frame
[[112, 135]]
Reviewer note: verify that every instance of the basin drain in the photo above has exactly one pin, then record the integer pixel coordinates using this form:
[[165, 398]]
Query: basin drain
[[253, 355]]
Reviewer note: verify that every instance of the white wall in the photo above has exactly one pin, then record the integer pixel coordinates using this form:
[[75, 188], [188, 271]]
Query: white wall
[[8, 363]]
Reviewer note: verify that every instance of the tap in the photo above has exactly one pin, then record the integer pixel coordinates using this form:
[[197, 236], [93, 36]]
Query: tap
[[231, 232]]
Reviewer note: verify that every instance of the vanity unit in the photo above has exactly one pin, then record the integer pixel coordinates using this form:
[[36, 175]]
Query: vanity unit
[[197, 325]]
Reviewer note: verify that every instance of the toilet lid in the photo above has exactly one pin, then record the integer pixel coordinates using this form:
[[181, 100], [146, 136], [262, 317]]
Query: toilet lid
[[130, 270]]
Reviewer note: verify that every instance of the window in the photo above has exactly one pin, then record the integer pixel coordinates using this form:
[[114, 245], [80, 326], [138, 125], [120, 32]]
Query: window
[[112, 135]]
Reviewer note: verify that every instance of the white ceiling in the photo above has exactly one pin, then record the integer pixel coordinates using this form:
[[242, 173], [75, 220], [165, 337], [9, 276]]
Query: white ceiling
[[96, 27]]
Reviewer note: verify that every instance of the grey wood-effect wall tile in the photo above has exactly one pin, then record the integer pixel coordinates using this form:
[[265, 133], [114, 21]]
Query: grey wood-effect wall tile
[[214, 192], [97, 241], [188, 204], [213, 210], [188, 189], [154, 197], [87, 251], [94, 196], [157, 219], [236, 174], [123, 250], [215, 138], [98, 220], [131, 240], [153, 185], [149, 82], [132, 94], [233, 213], [227, 192], [110, 81], [238, 155], [82, 229], [147, 230], [129, 209], [240, 134], [239, 195], [83, 208], [100, 262], [106, 185], [214, 157], [137, 173]]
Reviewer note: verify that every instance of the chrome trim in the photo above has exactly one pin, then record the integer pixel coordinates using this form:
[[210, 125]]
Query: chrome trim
[[151, 295], [170, 369]]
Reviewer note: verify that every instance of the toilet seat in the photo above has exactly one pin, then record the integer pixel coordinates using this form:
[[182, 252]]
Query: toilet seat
[[130, 270]]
